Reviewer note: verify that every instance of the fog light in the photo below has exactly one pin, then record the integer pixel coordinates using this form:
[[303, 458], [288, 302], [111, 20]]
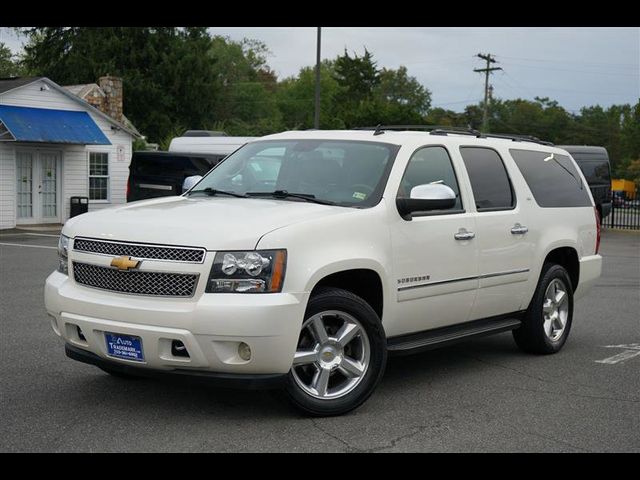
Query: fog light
[[244, 351], [178, 349]]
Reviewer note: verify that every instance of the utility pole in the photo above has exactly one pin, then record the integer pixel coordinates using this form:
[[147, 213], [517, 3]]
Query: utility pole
[[316, 119], [489, 59]]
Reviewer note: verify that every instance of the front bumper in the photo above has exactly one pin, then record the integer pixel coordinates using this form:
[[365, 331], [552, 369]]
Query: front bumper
[[211, 327], [229, 380]]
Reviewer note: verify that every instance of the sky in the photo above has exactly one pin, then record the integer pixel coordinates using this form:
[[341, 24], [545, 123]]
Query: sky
[[577, 66]]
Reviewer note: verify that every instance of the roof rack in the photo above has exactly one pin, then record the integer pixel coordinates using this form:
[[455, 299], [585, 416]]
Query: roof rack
[[445, 130]]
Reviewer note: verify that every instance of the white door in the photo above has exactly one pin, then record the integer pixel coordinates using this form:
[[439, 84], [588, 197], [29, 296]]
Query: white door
[[37, 187], [435, 267]]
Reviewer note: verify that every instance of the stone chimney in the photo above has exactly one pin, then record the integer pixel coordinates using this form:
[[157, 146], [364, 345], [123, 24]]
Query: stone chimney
[[112, 103]]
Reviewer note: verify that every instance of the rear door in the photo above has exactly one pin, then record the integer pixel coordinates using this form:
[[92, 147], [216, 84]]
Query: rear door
[[504, 250]]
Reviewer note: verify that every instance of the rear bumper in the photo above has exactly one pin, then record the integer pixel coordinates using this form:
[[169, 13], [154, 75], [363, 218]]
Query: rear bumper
[[225, 380], [590, 270]]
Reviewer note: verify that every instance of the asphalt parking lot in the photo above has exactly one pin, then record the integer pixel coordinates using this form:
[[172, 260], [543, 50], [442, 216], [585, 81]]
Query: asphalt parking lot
[[482, 395]]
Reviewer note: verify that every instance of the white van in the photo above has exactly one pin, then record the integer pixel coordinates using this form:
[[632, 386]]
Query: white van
[[202, 141]]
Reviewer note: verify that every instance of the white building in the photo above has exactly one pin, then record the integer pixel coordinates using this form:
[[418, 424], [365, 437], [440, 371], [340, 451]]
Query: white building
[[54, 146]]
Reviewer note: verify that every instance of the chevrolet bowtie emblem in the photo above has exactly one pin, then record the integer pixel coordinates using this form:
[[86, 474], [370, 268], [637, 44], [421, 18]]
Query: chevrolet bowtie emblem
[[124, 263]]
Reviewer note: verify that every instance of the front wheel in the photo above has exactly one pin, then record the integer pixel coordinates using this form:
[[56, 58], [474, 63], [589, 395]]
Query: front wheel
[[547, 322], [340, 357]]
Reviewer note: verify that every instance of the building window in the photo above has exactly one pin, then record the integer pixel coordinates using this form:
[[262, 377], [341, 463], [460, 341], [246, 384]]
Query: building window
[[99, 176]]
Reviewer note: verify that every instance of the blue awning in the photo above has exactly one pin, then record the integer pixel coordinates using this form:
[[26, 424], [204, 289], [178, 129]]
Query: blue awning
[[25, 124]]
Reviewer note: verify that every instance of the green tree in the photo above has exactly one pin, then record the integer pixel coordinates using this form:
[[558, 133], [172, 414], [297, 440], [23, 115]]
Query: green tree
[[166, 70], [399, 89], [368, 96], [296, 98], [244, 84], [9, 64]]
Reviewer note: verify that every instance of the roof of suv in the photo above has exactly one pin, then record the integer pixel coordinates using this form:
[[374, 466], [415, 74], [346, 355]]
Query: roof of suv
[[407, 136]]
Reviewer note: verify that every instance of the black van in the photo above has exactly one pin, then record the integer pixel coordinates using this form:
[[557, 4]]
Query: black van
[[594, 163], [161, 174]]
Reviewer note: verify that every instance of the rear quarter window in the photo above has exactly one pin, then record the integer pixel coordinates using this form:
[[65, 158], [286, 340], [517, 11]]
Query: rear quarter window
[[555, 182]]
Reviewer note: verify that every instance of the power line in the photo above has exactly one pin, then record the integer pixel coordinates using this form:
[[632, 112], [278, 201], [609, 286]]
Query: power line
[[564, 62], [487, 71], [576, 71]]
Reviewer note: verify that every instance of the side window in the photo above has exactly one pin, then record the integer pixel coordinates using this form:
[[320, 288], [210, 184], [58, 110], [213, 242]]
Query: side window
[[554, 181], [430, 165], [489, 179]]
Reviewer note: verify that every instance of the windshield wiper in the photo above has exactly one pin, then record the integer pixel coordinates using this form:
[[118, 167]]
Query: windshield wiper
[[212, 192], [284, 194]]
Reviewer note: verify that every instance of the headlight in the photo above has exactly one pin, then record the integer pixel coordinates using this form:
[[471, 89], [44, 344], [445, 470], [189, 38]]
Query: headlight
[[63, 258], [258, 271]]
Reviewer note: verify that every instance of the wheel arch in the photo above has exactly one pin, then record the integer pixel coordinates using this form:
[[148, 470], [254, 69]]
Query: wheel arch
[[567, 257], [365, 281]]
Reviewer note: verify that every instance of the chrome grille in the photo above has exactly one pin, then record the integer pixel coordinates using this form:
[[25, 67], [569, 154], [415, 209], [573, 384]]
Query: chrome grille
[[136, 282], [140, 250]]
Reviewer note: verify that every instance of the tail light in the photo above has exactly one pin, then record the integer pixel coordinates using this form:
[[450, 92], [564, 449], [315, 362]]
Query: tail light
[[598, 230]]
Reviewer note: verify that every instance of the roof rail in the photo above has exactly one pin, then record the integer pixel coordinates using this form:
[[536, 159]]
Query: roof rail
[[445, 130], [426, 128], [518, 138]]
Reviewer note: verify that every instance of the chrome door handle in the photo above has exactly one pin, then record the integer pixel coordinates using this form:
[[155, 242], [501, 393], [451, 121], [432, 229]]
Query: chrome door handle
[[464, 234], [518, 229]]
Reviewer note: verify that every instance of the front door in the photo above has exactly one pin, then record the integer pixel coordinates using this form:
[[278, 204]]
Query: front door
[[37, 187], [434, 254]]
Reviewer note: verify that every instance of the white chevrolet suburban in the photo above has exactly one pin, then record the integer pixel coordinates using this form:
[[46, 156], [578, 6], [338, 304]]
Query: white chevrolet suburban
[[305, 258]]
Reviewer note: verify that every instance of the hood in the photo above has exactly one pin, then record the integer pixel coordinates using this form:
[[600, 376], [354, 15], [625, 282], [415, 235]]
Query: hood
[[215, 223]]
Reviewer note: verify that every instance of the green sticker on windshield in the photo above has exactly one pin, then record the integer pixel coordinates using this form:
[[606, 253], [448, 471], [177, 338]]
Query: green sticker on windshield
[[359, 195]]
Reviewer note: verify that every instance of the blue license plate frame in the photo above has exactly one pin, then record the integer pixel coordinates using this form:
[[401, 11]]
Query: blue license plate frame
[[124, 347]]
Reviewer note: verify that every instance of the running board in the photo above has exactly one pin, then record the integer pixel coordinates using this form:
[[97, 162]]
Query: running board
[[439, 337]]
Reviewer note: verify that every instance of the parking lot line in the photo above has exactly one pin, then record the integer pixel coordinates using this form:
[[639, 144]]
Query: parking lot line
[[28, 246]]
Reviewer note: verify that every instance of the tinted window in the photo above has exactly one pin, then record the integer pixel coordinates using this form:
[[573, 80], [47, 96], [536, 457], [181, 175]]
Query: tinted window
[[489, 179], [430, 165], [172, 165], [595, 172], [553, 182]]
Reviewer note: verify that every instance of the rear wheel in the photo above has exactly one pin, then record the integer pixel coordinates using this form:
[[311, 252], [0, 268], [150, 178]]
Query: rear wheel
[[340, 357], [547, 322]]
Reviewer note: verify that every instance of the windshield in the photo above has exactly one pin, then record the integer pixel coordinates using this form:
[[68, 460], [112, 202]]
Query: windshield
[[347, 173]]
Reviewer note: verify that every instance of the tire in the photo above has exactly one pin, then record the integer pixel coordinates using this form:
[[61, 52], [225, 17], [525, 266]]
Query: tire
[[337, 377], [539, 333], [118, 374]]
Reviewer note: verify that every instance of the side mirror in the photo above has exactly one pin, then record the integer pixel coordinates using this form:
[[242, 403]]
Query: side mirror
[[432, 196], [190, 182]]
